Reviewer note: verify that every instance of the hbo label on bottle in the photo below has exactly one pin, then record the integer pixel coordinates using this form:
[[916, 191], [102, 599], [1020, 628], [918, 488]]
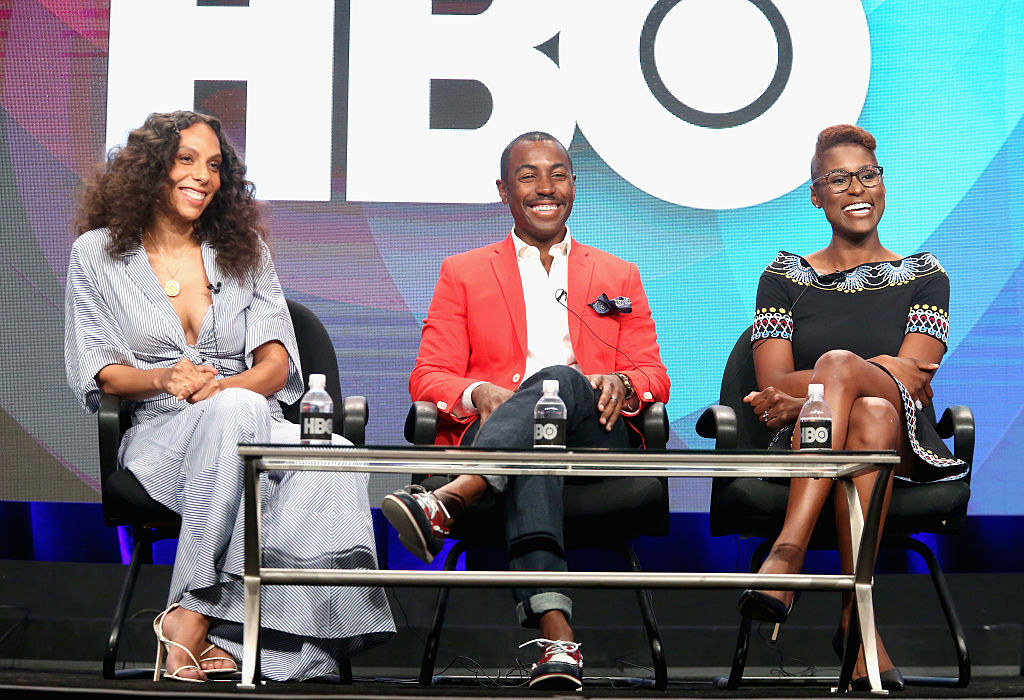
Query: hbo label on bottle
[[816, 435], [317, 427], [549, 432]]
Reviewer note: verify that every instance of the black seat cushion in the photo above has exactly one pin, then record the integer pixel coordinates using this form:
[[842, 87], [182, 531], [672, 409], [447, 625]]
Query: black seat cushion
[[597, 511], [938, 507], [124, 495], [754, 507]]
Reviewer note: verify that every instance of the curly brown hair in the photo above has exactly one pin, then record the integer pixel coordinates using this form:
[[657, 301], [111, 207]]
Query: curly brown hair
[[127, 189], [832, 136]]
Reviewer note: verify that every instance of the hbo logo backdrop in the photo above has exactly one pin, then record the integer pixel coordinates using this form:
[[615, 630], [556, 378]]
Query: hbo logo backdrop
[[702, 103]]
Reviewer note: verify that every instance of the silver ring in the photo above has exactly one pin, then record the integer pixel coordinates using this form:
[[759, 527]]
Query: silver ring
[[764, 416], [920, 406]]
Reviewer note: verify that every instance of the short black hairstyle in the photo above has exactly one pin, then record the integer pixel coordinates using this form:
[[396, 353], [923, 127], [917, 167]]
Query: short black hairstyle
[[835, 135], [529, 136]]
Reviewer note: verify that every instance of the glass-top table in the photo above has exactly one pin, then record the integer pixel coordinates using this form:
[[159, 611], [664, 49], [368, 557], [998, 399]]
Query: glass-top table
[[841, 466]]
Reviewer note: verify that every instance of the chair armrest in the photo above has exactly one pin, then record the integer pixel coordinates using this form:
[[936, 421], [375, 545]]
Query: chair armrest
[[719, 423], [421, 423], [653, 422], [110, 421], [957, 422], [356, 414]]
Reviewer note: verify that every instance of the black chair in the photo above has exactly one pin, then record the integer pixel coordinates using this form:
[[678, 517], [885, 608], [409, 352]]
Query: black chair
[[126, 503], [636, 505], [751, 507]]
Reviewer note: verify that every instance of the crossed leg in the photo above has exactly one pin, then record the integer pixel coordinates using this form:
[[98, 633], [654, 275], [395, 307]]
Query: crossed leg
[[863, 399]]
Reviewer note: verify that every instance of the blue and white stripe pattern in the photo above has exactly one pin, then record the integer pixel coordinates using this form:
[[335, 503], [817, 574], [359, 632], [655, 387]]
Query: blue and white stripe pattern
[[186, 457]]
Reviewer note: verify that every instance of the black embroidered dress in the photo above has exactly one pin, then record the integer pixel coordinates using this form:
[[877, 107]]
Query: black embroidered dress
[[867, 310]]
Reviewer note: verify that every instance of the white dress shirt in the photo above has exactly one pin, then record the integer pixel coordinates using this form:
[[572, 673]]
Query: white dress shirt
[[547, 320]]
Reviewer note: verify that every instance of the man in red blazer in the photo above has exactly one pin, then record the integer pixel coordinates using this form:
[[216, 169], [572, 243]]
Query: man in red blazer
[[504, 318]]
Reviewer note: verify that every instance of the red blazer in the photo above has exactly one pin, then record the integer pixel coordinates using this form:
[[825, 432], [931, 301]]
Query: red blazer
[[475, 329]]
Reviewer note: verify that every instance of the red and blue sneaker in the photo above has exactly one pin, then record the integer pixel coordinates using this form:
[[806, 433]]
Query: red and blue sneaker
[[420, 518], [560, 666]]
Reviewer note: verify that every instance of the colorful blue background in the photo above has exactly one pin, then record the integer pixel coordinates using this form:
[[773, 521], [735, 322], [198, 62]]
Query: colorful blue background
[[945, 101]]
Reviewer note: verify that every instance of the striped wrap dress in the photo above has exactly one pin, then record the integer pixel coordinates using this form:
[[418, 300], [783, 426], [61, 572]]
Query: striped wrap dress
[[185, 456]]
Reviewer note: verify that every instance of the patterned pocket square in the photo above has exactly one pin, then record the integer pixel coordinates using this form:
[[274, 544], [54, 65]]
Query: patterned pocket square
[[603, 305]]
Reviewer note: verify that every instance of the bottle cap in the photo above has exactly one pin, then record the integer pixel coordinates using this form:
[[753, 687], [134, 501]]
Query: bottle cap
[[550, 386], [317, 381], [815, 390]]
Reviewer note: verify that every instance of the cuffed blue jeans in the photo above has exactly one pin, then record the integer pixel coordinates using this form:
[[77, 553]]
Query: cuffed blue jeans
[[534, 508]]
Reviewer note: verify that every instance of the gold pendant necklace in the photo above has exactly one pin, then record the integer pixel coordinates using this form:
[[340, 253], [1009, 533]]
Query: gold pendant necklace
[[172, 287]]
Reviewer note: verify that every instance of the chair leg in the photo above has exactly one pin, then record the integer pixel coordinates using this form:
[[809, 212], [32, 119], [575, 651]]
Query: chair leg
[[127, 588], [739, 658], [739, 655], [440, 608], [345, 672], [650, 625], [952, 620]]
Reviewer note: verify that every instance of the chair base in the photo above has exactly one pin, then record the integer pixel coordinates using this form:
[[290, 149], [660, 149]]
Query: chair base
[[140, 550], [142, 553], [961, 680], [588, 682], [429, 661]]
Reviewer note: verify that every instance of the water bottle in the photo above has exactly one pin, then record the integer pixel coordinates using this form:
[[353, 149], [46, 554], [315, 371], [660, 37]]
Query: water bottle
[[549, 418], [815, 421], [317, 413]]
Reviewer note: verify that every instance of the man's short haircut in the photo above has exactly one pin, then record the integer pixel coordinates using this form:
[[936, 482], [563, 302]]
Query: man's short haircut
[[833, 136], [529, 136]]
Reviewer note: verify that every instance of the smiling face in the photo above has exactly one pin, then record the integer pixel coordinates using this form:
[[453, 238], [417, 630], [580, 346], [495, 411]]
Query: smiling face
[[855, 213], [194, 177], [539, 189]]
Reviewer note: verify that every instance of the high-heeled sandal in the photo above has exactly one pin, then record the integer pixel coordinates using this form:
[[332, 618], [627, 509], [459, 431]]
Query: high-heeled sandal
[[761, 606], [217, 671], [892, 679], [163, 643]]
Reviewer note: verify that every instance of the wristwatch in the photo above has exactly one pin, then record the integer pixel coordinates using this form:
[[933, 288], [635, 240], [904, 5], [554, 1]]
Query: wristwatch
[[630, 392]]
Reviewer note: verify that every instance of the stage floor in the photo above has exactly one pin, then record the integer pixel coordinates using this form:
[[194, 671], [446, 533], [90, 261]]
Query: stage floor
[[43, 684]]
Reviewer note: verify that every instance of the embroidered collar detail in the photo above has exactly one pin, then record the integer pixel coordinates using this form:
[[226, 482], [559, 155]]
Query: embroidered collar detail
[[874, 275]]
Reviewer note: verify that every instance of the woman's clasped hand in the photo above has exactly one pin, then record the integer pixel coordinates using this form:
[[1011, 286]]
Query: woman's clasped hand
[[190, 382]]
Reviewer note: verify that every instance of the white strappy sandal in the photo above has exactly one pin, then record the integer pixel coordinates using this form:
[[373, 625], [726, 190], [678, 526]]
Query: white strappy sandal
[[217, 671], [163, 643]]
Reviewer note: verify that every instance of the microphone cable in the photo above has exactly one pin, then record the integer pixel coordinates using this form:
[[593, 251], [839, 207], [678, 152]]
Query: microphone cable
[[839, 275], [560, 296]]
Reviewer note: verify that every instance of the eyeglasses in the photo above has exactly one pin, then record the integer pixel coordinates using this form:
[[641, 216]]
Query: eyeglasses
[[840, 180]]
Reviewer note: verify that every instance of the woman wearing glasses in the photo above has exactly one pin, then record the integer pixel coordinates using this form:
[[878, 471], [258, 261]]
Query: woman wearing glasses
[[869, 325]]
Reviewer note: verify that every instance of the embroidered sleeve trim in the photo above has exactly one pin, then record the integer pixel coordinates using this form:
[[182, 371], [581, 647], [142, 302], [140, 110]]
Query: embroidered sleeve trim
[[930, 320], [772, 322]]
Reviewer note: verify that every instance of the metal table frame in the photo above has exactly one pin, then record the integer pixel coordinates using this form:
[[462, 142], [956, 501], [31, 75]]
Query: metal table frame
[[839, 466]]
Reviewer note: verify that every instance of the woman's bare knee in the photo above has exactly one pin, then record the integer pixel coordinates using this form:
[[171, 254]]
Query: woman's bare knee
[[837, 366], [874, 425]]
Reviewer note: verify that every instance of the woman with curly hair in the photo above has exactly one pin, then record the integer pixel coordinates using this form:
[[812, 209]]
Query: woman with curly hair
[[173, 304], [871, 326]]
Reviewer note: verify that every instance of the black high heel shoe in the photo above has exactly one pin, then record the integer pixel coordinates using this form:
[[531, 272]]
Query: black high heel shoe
[[761, 606], [892, 680]]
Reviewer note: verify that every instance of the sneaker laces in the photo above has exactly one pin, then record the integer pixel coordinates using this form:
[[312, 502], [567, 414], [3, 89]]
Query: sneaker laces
[[559, 646], [431, 504]]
